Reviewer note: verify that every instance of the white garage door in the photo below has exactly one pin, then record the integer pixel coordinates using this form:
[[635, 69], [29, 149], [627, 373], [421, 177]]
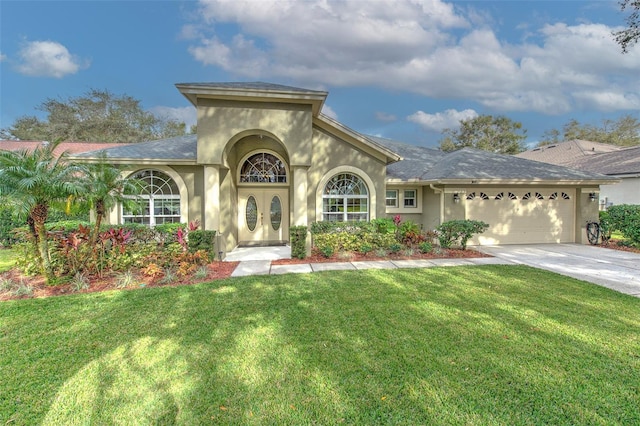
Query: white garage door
[[522, 217]]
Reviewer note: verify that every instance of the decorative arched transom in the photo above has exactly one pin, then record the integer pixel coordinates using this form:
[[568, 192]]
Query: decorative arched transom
[[263, 167], [158, 201], [345, 198]]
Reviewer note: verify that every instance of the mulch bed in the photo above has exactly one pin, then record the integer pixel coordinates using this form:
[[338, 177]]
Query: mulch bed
[[317, 257], [217, 270]]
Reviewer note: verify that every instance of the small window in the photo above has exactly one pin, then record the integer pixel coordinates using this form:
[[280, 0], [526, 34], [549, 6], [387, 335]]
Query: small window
[[410, 198], [392, 198], [565, 196], [526, 196], [512, 196], [471, 196], [539, 196], [484, 196], [500, 196], [553, 196]]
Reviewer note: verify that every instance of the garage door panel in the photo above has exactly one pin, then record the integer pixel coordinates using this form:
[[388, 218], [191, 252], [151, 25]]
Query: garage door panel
[[519, 220]]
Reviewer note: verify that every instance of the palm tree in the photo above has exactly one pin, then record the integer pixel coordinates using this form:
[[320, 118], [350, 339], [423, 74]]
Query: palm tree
[[104, 188], [32, 181]]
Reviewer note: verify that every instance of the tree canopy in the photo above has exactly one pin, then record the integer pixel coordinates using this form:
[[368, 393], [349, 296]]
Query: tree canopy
[[631, 34], [486, 132], [97, 116], [622, 132]]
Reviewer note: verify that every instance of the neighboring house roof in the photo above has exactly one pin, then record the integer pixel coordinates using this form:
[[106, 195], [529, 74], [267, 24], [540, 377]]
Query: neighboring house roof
[[68, 147], [467, 164], [567, 153], [621, 162], [171, 150]]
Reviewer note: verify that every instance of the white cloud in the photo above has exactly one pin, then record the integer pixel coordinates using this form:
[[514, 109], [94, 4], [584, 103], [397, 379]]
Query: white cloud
[[186, 114], [47, 59], [328, 111], [441, 120], [3, 57], [427, 47]]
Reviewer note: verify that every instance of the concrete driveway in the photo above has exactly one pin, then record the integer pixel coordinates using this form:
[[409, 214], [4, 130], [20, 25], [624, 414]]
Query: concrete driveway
[[615, 269]]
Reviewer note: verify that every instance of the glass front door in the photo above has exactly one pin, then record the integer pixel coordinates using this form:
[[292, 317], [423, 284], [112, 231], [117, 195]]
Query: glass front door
[[263, 215]]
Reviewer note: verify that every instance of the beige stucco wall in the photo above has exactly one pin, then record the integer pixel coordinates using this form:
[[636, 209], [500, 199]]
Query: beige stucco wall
[[329, 155], [221, 122]]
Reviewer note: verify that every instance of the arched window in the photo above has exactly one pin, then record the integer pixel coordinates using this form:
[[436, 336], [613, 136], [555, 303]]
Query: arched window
[[158, 202], [345, 199], [263, 168]]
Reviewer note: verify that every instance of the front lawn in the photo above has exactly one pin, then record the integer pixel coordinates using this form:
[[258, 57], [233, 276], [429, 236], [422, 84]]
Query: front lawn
[[466, 345], [7, 259]]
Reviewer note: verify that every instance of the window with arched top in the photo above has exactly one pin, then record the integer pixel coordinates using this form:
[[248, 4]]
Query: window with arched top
[[263, 167], [345, 199], [157, 203]]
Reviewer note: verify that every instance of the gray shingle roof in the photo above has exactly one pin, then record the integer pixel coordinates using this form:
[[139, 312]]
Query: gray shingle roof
[[251, 85], [182, 148], [624, 161], [471, 164]]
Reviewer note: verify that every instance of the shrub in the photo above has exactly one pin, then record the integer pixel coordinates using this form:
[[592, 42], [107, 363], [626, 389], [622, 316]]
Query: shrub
[[425, 247], [365, 248], [125, 279], [626, 219], [79, 282], [298, 237], [384, 225], [202, 240], [459, 231], [327, 251], [8, 222], [395, 248]]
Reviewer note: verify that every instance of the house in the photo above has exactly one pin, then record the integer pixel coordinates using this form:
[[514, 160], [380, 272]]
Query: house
[[567, 153], [614, 161], [68, 147], [266, 158]]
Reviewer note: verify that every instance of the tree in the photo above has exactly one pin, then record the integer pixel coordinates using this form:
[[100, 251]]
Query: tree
[[31, 181], [622, 132], [486, 132], [97, 116], [631, 34], [104, 187]]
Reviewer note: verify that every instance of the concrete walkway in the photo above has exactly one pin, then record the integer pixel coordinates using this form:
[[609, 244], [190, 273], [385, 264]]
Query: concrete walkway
[[610, 268], [257, 261]]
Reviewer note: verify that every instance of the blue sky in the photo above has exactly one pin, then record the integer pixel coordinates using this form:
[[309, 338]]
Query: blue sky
[[398, 69]]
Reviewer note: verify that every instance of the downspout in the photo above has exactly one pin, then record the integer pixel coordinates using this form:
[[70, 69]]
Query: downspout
[[441, 192]]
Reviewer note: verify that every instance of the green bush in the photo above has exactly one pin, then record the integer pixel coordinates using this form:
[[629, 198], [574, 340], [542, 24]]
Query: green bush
[[626, 219], [8, 223], [459, 231], [202, 240], [298, 236], [425, 247], [384, 225], [327, 251]]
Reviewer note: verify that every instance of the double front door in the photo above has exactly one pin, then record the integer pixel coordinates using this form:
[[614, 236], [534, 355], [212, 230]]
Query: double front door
[[263, 215]]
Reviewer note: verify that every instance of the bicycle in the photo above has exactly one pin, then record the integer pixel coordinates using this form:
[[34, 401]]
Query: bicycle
[[597, 233]]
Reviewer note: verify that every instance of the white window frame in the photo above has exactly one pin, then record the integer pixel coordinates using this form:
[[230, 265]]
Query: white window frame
[[342, 201], [414, 204], [395, 198], [151, 200]]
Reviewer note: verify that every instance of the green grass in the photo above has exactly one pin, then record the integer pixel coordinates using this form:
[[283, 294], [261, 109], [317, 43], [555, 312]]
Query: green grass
[[467, 345], [7, 259]]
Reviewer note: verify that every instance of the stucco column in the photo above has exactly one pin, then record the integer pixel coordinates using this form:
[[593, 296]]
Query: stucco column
[[299, 201], [211, 213]]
